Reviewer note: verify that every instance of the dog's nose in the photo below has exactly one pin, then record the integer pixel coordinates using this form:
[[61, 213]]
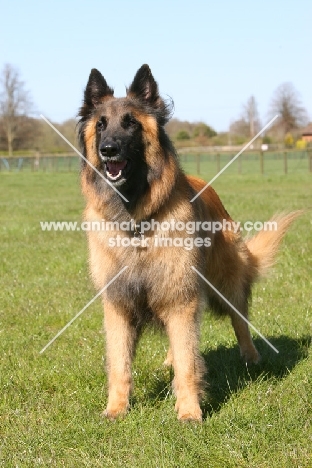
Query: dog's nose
[[109, 149]]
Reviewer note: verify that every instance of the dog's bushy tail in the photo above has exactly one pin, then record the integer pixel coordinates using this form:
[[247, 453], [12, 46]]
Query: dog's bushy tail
[[264, 245]]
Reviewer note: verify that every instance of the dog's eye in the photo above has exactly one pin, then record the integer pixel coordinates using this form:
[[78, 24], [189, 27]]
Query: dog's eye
[[101, 124], [128, 121]]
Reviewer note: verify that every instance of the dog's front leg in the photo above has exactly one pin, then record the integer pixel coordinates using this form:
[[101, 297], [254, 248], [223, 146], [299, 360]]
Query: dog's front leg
[[120, 341], [182, 325]]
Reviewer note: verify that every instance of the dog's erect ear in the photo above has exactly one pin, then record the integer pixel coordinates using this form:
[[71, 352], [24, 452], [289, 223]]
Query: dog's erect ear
[[144, 87], [96, 89]]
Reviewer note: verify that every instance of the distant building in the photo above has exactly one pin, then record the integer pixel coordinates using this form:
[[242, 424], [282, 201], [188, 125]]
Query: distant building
[[307, 133]]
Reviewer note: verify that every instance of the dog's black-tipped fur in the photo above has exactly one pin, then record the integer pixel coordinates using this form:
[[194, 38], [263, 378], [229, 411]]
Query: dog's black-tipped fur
[[96, 89]]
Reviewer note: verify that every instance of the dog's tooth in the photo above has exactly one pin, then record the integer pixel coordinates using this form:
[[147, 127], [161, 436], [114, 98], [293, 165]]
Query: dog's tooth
[[113, 177]]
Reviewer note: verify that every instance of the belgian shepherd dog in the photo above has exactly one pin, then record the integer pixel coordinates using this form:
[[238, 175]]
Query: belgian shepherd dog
[[131, 176]]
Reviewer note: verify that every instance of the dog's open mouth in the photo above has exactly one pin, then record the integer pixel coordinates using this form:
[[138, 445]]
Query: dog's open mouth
[[115, 169]]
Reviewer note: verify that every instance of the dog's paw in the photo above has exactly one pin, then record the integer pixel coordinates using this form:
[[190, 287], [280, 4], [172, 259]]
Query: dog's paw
[[251, 356], [189, 417], [188, 412], [116, 412]]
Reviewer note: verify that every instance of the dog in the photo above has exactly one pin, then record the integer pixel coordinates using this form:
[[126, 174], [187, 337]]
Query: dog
[[131, 177]]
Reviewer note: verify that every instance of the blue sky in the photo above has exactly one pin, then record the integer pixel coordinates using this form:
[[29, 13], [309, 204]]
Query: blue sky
[[210, 57]]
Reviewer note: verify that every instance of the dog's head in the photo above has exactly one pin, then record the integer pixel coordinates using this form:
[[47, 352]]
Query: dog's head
[[122, 137]]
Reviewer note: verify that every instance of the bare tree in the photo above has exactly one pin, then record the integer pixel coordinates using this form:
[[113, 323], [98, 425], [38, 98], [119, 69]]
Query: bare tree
[[287, 104], [248, 125], [240, 128], [15, 104], [251, 116]]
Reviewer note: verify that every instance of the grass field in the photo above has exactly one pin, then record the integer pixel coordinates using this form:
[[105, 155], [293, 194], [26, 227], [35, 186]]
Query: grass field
[[254, 417]]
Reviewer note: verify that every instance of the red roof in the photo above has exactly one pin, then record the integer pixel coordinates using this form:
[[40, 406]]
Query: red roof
[[307, 130]]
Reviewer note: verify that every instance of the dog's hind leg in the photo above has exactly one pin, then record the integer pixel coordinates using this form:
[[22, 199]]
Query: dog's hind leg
[[182, 325], [238, 301], [247, 348]]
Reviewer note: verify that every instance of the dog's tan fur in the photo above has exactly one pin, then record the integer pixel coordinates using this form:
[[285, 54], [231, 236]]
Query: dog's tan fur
[[159, 283]]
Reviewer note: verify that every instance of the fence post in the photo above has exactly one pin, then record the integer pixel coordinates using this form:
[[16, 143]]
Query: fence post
[[285, 162], [218, 163], [261, 163], [198, 163], [37, 161], [240, 164], [310, 159], [55, 163]]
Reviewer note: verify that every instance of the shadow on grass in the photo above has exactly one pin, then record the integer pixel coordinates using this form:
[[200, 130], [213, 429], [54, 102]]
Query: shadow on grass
[[227, 373]]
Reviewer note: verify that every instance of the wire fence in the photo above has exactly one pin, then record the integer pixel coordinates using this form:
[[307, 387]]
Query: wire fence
[[204, 164], [255, 162], [43, 163]]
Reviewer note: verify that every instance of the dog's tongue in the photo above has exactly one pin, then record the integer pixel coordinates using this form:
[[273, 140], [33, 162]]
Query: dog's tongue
[[115, 167]]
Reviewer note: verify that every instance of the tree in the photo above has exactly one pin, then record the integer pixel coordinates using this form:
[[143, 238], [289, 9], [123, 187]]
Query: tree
[[203, 130], [183, 135], [198, 130], [289, 140], [15, 104], [251, 116], [248, 125], [287, 104], [48, 140], [240, 128]]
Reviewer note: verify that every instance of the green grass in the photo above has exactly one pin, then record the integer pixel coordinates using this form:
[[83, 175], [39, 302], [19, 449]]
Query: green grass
[[51, 403]]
